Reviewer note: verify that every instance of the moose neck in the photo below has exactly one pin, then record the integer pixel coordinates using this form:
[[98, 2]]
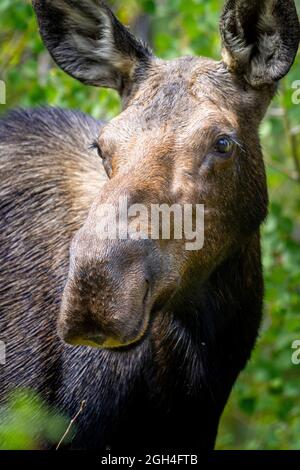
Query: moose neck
[[214, 320]]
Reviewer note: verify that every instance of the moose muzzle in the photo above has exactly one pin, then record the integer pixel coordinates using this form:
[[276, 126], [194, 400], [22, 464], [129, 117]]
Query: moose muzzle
[[107, 299]]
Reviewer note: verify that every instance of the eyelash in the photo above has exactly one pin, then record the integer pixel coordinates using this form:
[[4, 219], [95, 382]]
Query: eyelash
[[237, 143]]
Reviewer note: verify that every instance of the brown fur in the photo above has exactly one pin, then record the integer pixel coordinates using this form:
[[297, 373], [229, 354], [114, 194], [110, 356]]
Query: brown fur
[[175, 327]]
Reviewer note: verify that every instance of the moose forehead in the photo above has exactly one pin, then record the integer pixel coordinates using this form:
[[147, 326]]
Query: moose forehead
[[260, 40], [179, 101]]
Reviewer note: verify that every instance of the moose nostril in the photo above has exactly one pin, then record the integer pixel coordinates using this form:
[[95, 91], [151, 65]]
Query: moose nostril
[[105, 320]]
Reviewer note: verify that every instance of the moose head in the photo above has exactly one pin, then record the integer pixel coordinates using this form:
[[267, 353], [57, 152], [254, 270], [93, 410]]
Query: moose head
[[187, 135]]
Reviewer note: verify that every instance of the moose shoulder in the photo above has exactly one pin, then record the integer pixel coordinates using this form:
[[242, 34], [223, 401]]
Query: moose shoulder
[[151, 335]]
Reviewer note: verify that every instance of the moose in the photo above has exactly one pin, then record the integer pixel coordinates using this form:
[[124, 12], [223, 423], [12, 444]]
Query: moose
[[150, 335]]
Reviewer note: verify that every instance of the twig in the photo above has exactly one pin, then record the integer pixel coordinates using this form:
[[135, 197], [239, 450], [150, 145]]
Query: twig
[[82, 405]]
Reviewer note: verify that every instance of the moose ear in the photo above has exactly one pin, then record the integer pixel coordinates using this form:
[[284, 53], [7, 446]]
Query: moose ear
[[88, 42], [260, 38]]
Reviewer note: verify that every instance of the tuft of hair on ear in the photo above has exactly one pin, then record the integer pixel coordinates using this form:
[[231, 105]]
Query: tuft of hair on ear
[[89, 43], [260, 39]]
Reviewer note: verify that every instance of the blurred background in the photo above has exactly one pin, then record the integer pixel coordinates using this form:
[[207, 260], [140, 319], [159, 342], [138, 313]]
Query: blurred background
[[264, 409]]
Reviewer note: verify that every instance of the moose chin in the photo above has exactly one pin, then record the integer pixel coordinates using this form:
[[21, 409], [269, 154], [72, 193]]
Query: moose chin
[[150, 334]]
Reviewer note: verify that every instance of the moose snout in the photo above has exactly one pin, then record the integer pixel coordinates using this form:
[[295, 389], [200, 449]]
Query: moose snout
[[106, 303]]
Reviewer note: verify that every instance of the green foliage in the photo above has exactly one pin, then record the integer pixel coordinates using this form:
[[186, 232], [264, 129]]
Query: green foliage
[[264, 408], [26, 422]]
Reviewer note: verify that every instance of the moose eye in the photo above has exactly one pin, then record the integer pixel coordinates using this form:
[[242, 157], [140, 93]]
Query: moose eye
[[99, 151], [106, 164], [224, 146], [96, 146]]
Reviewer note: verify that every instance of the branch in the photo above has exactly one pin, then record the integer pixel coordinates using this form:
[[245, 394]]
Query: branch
[[82, 405]]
